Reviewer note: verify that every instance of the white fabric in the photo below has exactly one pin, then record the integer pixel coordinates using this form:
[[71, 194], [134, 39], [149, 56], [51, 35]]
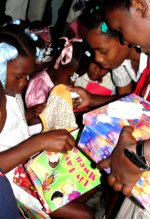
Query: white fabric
[[72, 15], [106, 81], [130, 210], [16, 128], [17, 9], [36, 10], [15, 131], [124, 74]]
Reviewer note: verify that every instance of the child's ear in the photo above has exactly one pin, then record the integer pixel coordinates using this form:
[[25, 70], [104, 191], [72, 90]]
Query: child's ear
[[140, 6]]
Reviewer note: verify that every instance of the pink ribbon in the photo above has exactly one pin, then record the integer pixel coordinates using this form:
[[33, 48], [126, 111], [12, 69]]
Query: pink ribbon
[[66, 54]]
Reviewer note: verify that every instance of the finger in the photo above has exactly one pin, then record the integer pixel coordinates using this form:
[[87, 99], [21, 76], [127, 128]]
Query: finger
[[117, 186], [111, 179], [44, 104], [127, 190], [103, 164], [68, 147], [64, 151], [70, 88], [126, 136], [129, 129], [70, 140], [76, 101]]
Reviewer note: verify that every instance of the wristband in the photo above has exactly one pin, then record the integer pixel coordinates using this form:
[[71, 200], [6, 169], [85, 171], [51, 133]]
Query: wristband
[[138, 159]]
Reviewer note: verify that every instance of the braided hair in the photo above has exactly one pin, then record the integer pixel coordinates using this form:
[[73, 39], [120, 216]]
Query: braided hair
[[15, 35], [92, 18], [114, 4]]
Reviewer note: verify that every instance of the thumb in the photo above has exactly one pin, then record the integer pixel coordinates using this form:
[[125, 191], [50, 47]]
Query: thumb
[[104, 164], [126, 135]]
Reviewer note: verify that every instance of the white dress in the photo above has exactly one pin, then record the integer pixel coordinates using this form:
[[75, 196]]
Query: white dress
[[124, 74], [15, 131], [106, 81]]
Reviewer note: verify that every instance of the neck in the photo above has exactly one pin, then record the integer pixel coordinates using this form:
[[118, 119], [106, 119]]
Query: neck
[[52, 74], [58, 76], [134, 55]]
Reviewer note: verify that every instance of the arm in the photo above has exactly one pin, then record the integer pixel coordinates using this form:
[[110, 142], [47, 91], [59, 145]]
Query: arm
[[33, 112], [124, 173], [125, 90], [56, 141], [87, 99]]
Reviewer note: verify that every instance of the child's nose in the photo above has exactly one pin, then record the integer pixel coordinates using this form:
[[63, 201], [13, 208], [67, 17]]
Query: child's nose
[[99, 58], [24, 83]]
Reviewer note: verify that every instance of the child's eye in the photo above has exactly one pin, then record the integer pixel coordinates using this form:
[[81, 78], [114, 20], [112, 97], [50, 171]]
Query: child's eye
[[101, 51], [18, 77]]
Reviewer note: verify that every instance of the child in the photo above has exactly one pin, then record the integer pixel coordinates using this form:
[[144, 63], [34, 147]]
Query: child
[[130, 36], [7, 199], [97, 80], [112, 53], [17, 51], [129, 18], [66, 57], [126, 67]]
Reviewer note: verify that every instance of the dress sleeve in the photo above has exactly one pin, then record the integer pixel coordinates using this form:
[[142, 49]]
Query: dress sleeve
[[121, 76], [38, 90]]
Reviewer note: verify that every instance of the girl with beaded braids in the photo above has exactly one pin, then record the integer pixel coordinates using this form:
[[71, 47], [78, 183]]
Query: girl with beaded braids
[[111, 52], [27, 45], [66, 57]]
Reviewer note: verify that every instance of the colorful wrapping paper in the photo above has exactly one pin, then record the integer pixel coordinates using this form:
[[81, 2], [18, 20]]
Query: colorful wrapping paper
[[102, 129], [29, 213], [22, 180], [60, 178]]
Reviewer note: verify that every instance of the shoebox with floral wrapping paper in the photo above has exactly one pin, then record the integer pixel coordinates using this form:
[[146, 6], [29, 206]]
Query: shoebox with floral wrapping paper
[[102, 129]]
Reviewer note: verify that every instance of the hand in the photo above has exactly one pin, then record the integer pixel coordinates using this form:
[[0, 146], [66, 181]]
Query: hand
[[38, 108], [57, 141], [124, 174], [34, 111], [84, 99]]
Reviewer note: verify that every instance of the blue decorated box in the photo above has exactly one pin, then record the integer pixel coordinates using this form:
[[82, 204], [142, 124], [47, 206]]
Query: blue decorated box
[[102, 129], [103, 125]]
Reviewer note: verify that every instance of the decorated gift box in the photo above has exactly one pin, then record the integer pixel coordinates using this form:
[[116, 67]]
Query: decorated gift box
[[102, 130]]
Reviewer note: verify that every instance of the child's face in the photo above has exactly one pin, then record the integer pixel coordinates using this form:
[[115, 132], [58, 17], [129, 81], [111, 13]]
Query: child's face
[[96, 73], [18, 71], [66, 72], [134, 26], [109, 52]]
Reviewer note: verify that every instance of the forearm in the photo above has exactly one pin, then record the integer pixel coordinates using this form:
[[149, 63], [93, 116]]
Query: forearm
[[20, 153], [34, 121], [97, 100], [139, 153], [147, 150]]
